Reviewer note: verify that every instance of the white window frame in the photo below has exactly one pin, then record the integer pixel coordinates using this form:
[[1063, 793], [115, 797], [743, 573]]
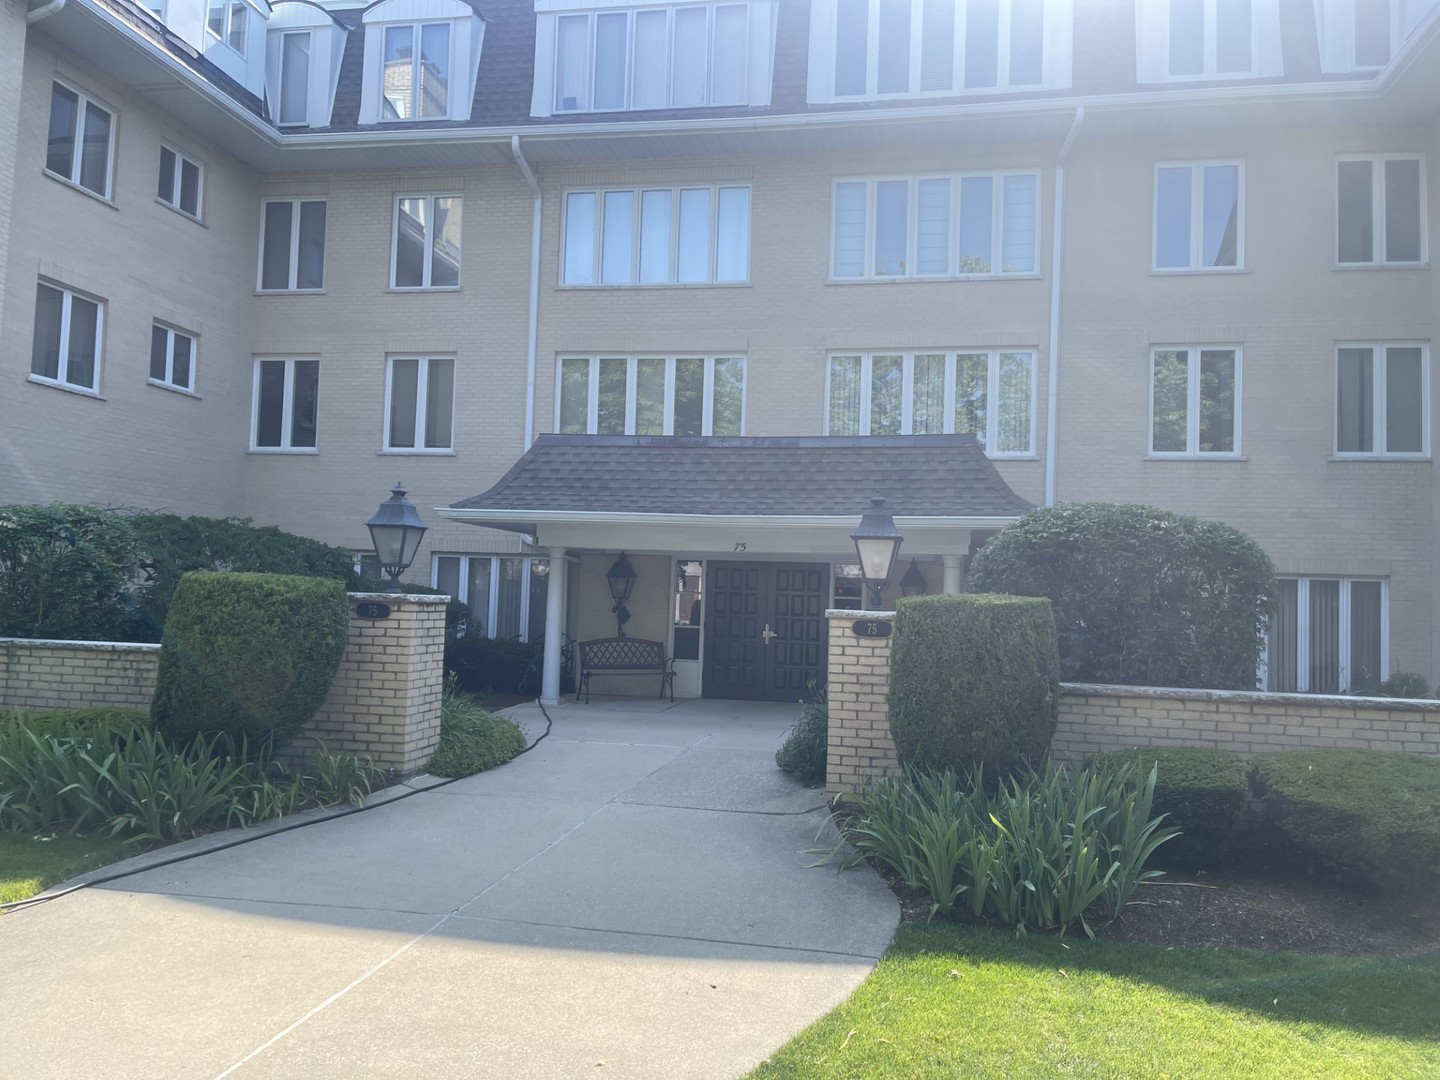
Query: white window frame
[[1377, 211], [1210, 51], [428, 241], [62, 372], [997, 226], [907, 399], [171, 333], [416, 27], [82, 104], [287, 410], [224, 38], [422, 385], [1346, 644], [280, 78], [598, 258], [294, 270], [592, 393], [181, 158], [492, 614], [1197, 218], [1381, 356], [1396, 36], [1192, 449]]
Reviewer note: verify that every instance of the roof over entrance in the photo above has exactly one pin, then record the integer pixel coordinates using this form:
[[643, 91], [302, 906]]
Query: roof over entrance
[[565, 482]]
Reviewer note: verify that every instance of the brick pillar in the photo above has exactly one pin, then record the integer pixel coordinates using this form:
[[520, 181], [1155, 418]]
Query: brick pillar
[[386, 697], [858, 684]]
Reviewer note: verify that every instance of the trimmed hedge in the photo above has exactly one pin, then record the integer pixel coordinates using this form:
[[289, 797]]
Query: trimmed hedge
[[248, 655], [974, 680], [1365, 815], [485, 665], [1142, 597], [1202, 792]]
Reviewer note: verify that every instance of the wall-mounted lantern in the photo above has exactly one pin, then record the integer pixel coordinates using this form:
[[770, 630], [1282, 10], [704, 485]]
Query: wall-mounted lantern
[[621, 579]]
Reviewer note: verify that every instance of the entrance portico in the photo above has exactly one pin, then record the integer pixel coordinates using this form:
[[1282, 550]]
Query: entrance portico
[[738, 544]]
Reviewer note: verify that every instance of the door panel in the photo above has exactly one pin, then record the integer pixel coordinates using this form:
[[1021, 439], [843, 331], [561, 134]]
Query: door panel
[[746, 600]]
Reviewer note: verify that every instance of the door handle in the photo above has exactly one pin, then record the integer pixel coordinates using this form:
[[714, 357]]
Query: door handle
[[767, 634]]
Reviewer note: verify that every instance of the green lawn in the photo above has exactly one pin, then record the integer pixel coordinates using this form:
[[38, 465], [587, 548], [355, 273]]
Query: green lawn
[[961, 1001], [30, 864]]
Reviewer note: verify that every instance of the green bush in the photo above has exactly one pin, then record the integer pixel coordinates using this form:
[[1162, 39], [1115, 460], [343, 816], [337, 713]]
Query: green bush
[[1369, 817], [471, 739], [65, 572], [1047, 850], [973, 681], [1199, 791], [70, 723], [804, 752], [1403, 684], [1141, 596], [486, 665], [250, 656]]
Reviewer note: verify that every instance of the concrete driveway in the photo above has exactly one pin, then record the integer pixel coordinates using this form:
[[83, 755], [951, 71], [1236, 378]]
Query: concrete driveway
[[630, 898]]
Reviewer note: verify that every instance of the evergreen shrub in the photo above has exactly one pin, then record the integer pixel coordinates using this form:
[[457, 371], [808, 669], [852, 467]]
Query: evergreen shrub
[[251, 656], [486, 665], [806, 748], [974, 680]]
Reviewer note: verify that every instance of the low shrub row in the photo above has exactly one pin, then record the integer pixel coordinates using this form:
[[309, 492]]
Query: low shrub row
[[472, 739], [804, 752]]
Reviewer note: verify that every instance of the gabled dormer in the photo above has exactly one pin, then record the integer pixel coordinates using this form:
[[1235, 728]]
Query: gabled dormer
[[421, 60], [1186, 41], [228, 33], [1363, 35], [302, 64]]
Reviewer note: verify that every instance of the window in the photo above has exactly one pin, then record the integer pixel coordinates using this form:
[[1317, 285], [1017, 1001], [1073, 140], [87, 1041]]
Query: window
[[968, 225], [657, 236], [286, 397], [226, 21], [82, 137], [1374, 25], [1381, 397], [504, 595], [426, 246], [652, 395], [1195, 402], [689, 610], [1210, 38], [1328, 635], [172, 358], [886, 48], [1381, 210], [420, 404], [292, 245], [653, 58], [1199, 217], [848, 587], [294, 94], [179, 182], [68, 328], [415, 72], [990, 394]]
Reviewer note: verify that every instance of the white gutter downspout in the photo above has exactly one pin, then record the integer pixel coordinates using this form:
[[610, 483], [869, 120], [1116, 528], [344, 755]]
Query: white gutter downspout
[[1057, 261], [532, 342], [44, 11]]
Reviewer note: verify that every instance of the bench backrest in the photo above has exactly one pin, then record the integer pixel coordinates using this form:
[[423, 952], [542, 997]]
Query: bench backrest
[[622, 654]]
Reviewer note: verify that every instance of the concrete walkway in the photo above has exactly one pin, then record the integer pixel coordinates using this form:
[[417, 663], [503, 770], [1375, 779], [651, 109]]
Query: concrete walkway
[[630, 898]]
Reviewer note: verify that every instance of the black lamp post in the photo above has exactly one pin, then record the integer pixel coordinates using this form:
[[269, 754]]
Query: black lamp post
[[621, 579], [877, 542], [396, 531], [913, 583]]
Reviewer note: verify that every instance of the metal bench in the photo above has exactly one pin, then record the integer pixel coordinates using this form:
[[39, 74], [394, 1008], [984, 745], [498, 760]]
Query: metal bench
[[623, 656]]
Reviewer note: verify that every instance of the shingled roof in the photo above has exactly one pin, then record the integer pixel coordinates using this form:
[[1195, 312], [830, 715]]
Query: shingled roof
[[919, 476]]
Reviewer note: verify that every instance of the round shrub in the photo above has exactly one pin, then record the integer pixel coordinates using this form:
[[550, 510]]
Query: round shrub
[[974, 680], [806, 748], [248, 655], [1141, 596]]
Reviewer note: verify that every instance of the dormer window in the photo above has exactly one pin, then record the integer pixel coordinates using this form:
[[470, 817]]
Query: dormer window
[[295, 48], [1364, 35], [415, 72], [421, 60], [1187, 40], [226, 21]]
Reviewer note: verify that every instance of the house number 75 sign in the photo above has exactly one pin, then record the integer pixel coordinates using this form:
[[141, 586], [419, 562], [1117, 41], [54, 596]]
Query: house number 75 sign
[[870, 628]]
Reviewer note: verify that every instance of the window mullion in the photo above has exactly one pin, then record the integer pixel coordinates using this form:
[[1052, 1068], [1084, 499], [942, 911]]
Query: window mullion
[[871, 188], [630, 365], [907, 391], [428, 240], [865, 386], [170, 343], [948, 420], [492, 600], [992, 401], [713, 269], [1379, 396], [294, 244], [1192, 401], [707, 400], [422, 388], [668, 422], [592, 406], [1343, 637], [1197, 217], [1302, 635], [62, 369], [287, 406], [1377, 210]]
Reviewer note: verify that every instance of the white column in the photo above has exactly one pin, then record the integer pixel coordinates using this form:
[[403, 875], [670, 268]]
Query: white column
[[950, 585], [554, 627]]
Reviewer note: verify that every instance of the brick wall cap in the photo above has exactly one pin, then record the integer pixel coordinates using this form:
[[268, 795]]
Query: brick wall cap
[[397, 599], [1256, 697], [97, 646], [842, 613]]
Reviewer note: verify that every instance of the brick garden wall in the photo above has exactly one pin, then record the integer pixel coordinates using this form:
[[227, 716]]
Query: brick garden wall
[[65, 674]]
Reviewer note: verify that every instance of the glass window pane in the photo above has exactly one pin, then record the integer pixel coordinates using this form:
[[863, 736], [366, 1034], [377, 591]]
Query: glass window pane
[[610, 415], [1365, 626], [650, 396], [580, 238], [166, 189], [694, 234], [977, 207], [1402, 211], [1019, 239], [849, 255], [270, 403], [689, 397], [574, 396], [1324, 659], [1232, 36], [447, 576], [439, 404], [655, 237], [927, 402], [730, 68], [844, 396], [180, 366], [95, 154], [238, 15], [294, 78], [445, 245], [972, 374], [688, 74], [410, 217], [1187, 37], [893, 75], [539, 587], [1355, 402], [932, 227], [477, 595], [399, 72], [982, 44], [572, 45], [729, 397], [892, 222], [190, 187], [510, 586], [937, 45], [1027, 42], [404, 391], [275, 256], [305, 405], [619, 230], [1283, 639], [1221, 223], [1172, 219], [612, 31], [310, 272], [887, 385], [1404, 402], [83, 342], [45, 351], [1217, 401], [64, 115], [651, 68], [1170, 401], [215, 18], [1012, 432], [159, 353], [732, 242], [1372, 33], [1356, 225], [852, 29]]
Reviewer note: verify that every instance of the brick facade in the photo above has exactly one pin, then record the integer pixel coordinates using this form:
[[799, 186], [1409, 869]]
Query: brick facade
[[68, 674], [859, 683]]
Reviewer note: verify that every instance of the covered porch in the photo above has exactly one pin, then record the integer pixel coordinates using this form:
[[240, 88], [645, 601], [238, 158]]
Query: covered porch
[[737, 546]]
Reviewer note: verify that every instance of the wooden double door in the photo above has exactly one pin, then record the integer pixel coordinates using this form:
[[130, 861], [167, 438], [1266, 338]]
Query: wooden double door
[[766, 637]]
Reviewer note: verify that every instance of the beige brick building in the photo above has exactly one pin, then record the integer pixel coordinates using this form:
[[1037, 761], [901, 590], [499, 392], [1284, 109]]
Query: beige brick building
[[266, 259]]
